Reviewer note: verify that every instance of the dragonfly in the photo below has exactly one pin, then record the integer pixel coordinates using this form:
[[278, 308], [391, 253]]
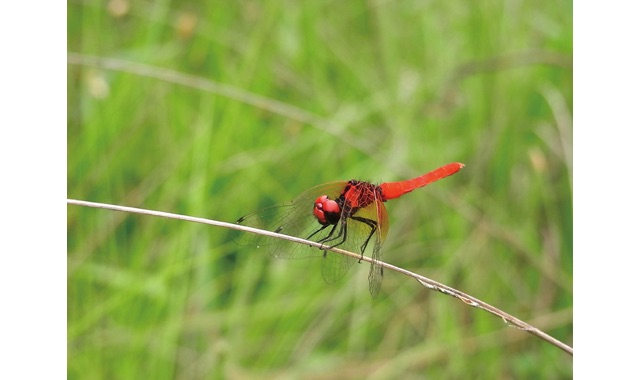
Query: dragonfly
[[347, 214]]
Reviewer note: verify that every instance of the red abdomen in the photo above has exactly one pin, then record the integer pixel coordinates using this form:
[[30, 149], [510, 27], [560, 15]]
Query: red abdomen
[[391, 190]]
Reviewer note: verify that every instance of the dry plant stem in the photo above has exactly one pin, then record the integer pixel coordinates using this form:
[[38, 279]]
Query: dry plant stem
[[428, 283]]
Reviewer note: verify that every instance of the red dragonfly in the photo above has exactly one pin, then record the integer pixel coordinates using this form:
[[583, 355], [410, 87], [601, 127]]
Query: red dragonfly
[[348, 215]]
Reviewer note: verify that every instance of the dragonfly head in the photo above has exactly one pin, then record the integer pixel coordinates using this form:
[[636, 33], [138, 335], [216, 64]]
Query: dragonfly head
[[326, 210]]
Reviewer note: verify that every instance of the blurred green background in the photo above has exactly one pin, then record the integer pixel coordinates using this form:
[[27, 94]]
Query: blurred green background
[[215, 109]]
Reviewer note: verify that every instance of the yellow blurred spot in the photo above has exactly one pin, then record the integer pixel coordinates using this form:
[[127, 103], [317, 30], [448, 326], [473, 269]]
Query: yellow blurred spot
[[97, 85], [118, 8], [538, 161], [186, 25]]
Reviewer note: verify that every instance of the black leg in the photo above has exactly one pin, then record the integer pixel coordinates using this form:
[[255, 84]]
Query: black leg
[[373, 225], [320, 229], [341, 234]]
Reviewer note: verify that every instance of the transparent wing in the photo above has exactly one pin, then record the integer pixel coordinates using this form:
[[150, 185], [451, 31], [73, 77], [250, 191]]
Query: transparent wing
[[360, 232], [293, 218], [375, 272]]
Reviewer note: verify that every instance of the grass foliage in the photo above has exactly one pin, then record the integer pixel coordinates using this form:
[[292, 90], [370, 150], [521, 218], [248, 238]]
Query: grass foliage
[[285, 95]]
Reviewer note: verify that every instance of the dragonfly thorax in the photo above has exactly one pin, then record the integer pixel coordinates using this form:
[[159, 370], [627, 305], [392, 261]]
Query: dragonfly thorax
[[354, 196]]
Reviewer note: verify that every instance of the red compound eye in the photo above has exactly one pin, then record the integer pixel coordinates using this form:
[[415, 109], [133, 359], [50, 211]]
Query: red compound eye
[[326, 210]]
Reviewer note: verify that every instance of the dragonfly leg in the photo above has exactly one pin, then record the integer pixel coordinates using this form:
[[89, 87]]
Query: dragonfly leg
[[373, 225], [342, 235], [324, 238], [320, 229]]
